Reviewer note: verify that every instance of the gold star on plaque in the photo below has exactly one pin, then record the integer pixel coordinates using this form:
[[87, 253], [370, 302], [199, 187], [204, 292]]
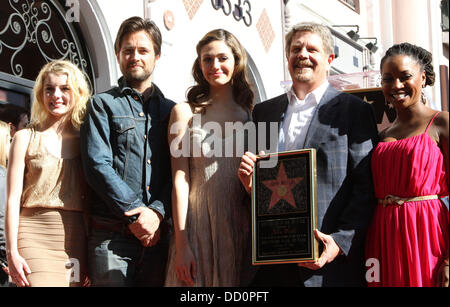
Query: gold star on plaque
[[282, 187]]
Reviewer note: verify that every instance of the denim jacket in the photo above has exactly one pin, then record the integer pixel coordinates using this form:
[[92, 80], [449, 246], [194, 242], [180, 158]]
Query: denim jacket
[[125, 152]]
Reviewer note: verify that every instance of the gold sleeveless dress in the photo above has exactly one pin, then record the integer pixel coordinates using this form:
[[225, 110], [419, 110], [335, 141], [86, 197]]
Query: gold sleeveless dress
[[52, 236]]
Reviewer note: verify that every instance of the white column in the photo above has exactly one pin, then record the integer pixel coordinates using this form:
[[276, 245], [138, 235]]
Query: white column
[[410, 22], [435, 41], [387, 35], [417, 22]]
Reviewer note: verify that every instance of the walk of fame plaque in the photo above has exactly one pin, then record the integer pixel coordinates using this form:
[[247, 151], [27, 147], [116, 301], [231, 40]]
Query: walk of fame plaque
[[284, 211]]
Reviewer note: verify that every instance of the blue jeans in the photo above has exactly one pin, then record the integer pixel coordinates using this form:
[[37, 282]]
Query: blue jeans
[[119, 260]]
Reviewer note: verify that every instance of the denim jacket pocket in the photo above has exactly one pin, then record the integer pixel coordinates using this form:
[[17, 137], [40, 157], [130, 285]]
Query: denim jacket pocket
[[124, 135]]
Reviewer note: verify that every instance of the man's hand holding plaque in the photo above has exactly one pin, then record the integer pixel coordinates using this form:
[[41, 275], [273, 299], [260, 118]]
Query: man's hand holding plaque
[[330, 251]]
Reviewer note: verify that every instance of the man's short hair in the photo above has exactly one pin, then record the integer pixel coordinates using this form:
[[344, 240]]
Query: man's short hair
[[136, 24], [321, 30], [11, 113]]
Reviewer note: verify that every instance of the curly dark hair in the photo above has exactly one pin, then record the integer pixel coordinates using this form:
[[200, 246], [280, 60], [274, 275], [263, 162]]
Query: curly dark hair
[[423, 57], [198, 95]]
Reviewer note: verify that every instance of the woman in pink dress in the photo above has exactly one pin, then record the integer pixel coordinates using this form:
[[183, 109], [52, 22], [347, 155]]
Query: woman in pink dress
[[407, 243]]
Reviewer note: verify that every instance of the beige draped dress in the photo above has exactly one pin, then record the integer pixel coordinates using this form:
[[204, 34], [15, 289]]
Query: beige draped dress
[[52, 236], [218, 217]]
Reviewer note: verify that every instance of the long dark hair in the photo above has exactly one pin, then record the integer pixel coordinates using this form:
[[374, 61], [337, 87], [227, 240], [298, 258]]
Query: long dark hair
[[198, 95]]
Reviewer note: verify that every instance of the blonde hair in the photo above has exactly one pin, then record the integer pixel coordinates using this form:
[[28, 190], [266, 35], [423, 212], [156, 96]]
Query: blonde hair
[[78, 83], [4, 137]]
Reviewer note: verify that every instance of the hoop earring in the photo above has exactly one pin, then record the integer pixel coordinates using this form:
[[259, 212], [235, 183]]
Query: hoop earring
[[424, 98]]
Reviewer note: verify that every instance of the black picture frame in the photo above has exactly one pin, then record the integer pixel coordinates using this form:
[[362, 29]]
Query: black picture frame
[[284, 208]]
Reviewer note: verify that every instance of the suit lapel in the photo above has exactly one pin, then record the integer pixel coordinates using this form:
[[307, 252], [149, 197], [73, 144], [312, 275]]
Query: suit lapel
[[279, 110], [268, 112], [319, 124], [277, 115]]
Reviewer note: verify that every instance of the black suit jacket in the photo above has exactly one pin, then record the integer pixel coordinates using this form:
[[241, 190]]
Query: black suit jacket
[[343, 131]]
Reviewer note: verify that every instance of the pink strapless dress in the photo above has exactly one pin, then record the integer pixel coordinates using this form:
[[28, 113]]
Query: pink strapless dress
[[410, 241]]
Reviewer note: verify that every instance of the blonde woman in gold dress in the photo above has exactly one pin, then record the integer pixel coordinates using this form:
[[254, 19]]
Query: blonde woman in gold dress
[[45, 230]]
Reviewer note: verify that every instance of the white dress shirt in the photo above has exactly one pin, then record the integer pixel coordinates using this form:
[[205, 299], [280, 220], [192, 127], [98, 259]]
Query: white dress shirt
[[297, 118]]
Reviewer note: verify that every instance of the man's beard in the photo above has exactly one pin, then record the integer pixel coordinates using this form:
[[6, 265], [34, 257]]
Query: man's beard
[[299, 74], [137, 76], [302, 77]]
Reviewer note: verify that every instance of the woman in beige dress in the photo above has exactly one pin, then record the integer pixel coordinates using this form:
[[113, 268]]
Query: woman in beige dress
[[45, 230], [210, 212], [5, 140]]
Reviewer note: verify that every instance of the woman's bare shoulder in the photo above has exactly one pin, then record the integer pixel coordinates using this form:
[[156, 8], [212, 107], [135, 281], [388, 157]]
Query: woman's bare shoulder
[[441, 122], [181, 111], [183, 107], [382, 133], [22, 136], [19, 145], [442, 118]]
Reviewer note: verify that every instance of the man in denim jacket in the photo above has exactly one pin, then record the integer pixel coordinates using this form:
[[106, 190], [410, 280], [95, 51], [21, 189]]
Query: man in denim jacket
[[126, 161]]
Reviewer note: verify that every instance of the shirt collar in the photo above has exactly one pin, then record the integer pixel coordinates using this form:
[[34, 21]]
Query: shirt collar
[[127, 90], [314, 96]]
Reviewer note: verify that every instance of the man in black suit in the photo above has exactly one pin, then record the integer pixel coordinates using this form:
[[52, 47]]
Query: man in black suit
[[343, 131]]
